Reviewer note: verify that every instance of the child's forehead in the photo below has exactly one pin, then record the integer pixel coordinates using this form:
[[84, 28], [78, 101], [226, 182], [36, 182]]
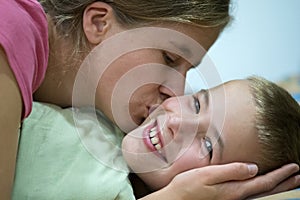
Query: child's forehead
[[233, 86]]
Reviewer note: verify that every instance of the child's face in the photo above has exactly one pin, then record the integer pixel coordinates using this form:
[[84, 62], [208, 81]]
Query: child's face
[[185, 134]]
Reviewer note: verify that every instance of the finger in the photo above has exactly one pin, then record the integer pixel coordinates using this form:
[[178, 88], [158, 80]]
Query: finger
[[289, 184], [266, 183], [215, 174]]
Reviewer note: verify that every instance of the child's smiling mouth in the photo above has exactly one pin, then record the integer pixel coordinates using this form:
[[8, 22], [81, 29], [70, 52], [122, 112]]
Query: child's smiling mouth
[[153, 140]]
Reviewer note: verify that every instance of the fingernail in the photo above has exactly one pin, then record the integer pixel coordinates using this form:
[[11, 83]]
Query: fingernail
[[294, 166], [253, 169], [297, 179]]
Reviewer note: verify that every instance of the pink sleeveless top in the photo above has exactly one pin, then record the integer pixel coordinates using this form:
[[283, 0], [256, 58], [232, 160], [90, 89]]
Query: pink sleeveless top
[[24, 37]]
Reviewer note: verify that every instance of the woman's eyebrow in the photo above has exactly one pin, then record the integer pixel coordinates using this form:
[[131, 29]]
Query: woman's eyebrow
[[183, 49], [188, 54], [193, 58]]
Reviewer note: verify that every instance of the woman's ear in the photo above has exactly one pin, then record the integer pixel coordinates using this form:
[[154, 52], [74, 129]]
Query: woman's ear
[[97, 19]]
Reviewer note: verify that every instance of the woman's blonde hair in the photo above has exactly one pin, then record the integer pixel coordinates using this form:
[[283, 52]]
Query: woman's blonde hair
[[67, 14], [277, 124]]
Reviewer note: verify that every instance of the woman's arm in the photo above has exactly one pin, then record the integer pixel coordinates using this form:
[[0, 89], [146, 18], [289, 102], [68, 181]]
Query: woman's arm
[[230, 181], [10, 116]]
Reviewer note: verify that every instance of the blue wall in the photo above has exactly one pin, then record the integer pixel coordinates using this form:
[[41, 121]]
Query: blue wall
[[263, 39]]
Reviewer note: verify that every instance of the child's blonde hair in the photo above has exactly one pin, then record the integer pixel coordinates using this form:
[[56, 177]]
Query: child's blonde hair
[[277, 124]]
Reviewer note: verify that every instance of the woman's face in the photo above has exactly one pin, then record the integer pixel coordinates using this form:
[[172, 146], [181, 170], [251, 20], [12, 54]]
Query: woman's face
[[211, 127], [143, 77]]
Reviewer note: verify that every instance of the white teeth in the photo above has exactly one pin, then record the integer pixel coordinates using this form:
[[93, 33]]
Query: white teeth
[[153, 129], [153, 132], [157, 146], [155, 140]]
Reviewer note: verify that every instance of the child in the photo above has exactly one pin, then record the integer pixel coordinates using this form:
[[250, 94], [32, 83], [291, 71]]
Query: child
[[53, 162], [252, 121]]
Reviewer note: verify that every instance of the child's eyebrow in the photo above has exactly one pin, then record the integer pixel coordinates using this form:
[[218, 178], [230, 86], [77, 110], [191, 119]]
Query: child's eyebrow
[[220, 141], [206, 97], [205, 94], [216, 133]]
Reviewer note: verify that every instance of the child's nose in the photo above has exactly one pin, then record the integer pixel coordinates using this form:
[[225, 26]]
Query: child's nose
[[182, 125]]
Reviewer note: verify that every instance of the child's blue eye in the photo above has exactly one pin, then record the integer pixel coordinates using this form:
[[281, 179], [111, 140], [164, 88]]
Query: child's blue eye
[[208, 146], [197, 104]]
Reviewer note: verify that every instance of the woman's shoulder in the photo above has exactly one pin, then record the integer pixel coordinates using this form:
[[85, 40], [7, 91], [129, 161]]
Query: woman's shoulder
[[24, 38], [20, 13]]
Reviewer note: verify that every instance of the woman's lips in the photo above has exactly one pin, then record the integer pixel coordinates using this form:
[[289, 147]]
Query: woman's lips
[[153, 140]]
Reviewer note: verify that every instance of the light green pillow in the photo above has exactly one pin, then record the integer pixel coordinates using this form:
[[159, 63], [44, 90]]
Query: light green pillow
[[54, 163]]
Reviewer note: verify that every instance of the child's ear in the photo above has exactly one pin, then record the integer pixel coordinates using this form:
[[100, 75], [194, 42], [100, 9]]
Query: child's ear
[[97, 19]]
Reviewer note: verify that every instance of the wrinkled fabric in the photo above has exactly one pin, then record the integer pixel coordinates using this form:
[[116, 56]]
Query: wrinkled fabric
[[24, 38], [53, 162]]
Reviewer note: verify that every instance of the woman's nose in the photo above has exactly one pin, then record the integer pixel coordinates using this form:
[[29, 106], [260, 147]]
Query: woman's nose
[[173, 84]]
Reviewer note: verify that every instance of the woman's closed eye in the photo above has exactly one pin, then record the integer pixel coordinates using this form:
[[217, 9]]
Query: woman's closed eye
[[169, 59]]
